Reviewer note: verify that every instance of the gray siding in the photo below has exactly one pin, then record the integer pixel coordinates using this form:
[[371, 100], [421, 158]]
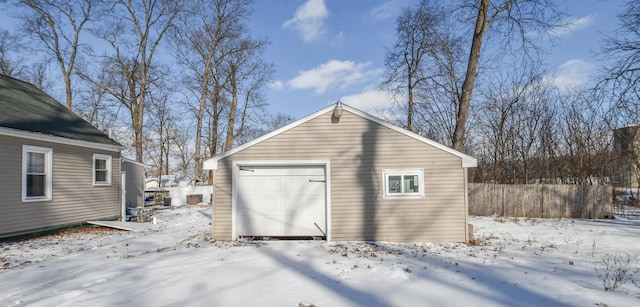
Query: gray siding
[[134, 184], [75, 200], [359, 150]]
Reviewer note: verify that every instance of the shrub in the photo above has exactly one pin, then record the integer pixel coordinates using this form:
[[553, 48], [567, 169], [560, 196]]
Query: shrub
[[617, 269]]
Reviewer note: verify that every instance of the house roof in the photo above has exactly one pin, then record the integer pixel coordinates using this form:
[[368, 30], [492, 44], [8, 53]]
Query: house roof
[[28, 109], [467, 161]]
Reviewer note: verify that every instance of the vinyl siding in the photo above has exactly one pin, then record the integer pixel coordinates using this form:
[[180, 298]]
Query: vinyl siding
[[74, 198], [359, 150], [134, 184]]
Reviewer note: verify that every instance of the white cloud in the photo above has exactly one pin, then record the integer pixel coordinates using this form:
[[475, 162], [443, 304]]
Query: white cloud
[[371, 101], [572, 73], [572, 26], [276, 85], [333, 73], [309, 20], [387, 10]]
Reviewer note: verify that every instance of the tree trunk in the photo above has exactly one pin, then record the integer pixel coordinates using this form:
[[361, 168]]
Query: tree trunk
[[228, 144], [137, 130], [470, 76], [203, 101]]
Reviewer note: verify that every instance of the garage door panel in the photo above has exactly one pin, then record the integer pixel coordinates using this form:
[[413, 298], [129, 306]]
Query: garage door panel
[[281, 201]]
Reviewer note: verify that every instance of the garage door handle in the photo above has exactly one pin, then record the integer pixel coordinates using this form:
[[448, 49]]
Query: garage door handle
[[311, 180]]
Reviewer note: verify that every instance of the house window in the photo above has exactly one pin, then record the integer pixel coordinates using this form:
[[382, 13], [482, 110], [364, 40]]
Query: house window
[[101, 169], [403, 183], [36, 173]]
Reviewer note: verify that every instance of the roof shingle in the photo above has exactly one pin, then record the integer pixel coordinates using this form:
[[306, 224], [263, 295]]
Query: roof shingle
[[25, 107]]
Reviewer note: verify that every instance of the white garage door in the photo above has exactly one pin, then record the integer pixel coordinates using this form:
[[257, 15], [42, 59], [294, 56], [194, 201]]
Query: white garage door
[[281, 201]]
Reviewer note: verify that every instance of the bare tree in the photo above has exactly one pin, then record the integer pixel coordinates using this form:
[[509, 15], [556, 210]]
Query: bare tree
[[201, 46], [161, 124], [621, 69], [248, 74], [425, 63], [406, 62], [182, 136], [511, 20], [530, 118], [586, 139], [134, 30], [14, 64], [96, 105], [500, 121], [8, 65], [57, 25]]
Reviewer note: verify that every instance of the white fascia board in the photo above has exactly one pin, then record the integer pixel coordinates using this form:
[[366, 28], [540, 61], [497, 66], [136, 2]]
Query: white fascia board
[[212, 163], [56, 139], [467, 161]]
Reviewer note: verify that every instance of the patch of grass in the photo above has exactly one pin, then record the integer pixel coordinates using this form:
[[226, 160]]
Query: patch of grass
[[83, 228], [477, 242]]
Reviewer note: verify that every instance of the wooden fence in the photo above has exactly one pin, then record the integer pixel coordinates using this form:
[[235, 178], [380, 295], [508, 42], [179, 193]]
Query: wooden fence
[[541, 200]]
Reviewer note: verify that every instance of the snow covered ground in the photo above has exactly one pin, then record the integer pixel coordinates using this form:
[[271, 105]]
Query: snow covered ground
[[513, 262]]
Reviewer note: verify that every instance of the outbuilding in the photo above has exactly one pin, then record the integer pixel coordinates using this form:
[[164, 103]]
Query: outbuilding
[[341, 174]]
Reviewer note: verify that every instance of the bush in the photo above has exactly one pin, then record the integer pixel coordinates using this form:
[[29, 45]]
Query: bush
[[616, 270]]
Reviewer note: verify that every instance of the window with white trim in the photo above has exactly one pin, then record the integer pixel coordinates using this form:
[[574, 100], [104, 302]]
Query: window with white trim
[[37, 175], [403, 183], [101, 169]]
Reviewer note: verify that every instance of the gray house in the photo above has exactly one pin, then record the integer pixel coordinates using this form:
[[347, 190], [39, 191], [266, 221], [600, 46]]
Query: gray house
[[56, 169], [341, 174]]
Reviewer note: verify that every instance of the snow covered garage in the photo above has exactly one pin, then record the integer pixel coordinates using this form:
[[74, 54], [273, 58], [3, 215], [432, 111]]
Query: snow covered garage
[[342, 174]]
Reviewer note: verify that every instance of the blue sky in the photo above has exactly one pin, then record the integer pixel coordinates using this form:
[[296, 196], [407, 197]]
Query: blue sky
[[325, 50]]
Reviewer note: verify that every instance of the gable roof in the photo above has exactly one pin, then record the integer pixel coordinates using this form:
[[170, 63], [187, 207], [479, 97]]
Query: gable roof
[[26, 108], [467, 161]]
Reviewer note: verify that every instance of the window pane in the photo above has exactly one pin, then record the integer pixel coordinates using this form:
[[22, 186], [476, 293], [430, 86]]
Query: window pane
[[101, 164], [411, 184], [35, 185], [394, 184], [35, 163], [101, 176]]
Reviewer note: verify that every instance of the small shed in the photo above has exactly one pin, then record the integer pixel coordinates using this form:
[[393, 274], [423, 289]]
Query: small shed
[[341, 174], [134, 182]]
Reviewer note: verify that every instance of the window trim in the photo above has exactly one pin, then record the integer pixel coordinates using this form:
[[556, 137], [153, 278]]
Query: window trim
[[386, 173], [109, 159], [48, 169]]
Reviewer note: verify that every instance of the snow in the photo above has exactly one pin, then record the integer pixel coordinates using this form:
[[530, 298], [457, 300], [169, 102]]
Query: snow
[[513, 262]]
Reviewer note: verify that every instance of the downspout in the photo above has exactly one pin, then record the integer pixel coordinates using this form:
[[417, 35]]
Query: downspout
[[213, 205], [123, 193], [466, 206]]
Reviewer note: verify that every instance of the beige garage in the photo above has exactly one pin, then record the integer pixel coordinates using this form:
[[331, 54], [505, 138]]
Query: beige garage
[[342, 174]]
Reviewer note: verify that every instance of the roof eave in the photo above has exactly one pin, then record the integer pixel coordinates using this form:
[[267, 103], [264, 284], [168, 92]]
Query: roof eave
[[467, 161], [56, 139], [212, 163]]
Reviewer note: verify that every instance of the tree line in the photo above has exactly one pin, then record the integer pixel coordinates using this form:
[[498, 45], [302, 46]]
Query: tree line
[[122, 61], [471, 75], [187, 80]]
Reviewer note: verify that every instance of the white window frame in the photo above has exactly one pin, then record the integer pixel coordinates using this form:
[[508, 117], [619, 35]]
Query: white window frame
[[386, 173], [48, 169], [108, 158]]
